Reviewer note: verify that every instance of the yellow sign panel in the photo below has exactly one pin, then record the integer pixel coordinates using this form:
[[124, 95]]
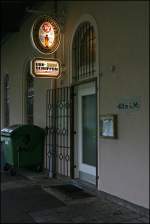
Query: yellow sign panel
[[45, 68], [46, 35]]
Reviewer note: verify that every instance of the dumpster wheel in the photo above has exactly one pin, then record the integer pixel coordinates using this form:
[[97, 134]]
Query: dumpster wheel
[[12, 171], [38, 168], [7, 166]]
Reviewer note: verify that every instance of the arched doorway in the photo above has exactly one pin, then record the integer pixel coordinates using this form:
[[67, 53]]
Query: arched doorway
[[85, 104]]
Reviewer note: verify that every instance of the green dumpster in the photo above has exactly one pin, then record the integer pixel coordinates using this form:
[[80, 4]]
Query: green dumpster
[[23, 147]]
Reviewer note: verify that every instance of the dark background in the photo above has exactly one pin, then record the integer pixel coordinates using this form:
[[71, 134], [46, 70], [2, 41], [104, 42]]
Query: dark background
[[12, 14]]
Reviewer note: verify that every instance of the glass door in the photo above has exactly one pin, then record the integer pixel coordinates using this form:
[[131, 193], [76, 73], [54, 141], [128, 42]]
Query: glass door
[[87, 142]]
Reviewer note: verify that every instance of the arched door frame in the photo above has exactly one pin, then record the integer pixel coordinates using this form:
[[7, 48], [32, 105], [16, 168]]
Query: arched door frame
[[26, 70], [82, 19]]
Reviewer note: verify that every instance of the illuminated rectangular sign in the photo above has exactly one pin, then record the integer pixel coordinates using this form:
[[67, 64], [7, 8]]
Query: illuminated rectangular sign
[[45, 68]]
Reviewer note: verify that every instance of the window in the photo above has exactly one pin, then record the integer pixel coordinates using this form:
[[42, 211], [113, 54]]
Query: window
[[84, 52], [6, 100], [29, 99]]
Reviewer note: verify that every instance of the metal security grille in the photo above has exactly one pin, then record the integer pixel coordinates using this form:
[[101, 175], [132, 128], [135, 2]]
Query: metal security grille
[[58, 144], [84, 52]]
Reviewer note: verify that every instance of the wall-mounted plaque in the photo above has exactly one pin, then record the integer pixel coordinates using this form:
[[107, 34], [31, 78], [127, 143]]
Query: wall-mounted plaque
[[108, 126], [46, 35], [45, 68]]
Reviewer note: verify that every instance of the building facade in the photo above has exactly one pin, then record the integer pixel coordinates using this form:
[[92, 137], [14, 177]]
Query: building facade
[[104, 55]]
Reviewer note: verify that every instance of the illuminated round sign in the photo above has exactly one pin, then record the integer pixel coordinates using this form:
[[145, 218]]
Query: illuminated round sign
[[46, 35]]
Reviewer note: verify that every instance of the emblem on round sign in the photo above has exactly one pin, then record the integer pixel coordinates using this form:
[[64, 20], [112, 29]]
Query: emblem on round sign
[[46, 35]]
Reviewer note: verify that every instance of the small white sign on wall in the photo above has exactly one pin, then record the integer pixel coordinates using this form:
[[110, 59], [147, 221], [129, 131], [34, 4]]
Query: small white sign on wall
[[129, 104], [108, 126]]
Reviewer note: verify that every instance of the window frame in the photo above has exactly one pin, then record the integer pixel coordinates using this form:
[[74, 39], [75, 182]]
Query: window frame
[[6, 100], [29, 99], [85, 69]]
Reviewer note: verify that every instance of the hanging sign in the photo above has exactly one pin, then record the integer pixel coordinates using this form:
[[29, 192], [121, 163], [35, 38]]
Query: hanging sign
[[46, 35], [45, 68]]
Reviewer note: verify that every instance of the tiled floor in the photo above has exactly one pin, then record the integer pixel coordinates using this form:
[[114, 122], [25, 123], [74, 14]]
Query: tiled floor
[[30, 198]]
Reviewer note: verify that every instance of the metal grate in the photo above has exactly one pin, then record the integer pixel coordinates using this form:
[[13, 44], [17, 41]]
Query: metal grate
[[58, 145], [84, 52]]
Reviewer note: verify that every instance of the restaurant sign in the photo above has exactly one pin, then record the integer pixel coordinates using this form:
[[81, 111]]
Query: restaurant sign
[[46, 35], [45, 68]]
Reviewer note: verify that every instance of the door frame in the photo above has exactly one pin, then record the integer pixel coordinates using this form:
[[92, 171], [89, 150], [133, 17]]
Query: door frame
[[84, 90], [75, 168]]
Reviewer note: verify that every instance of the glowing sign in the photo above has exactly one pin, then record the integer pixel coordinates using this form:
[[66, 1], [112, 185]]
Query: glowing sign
[[45, 68], [46, 35]]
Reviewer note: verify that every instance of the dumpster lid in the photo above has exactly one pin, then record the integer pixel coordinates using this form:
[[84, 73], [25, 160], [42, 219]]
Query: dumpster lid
[[10, 129]]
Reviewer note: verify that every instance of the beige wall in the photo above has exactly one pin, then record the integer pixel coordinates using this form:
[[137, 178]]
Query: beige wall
[[16, 54], [123, 42], [124, 162]]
